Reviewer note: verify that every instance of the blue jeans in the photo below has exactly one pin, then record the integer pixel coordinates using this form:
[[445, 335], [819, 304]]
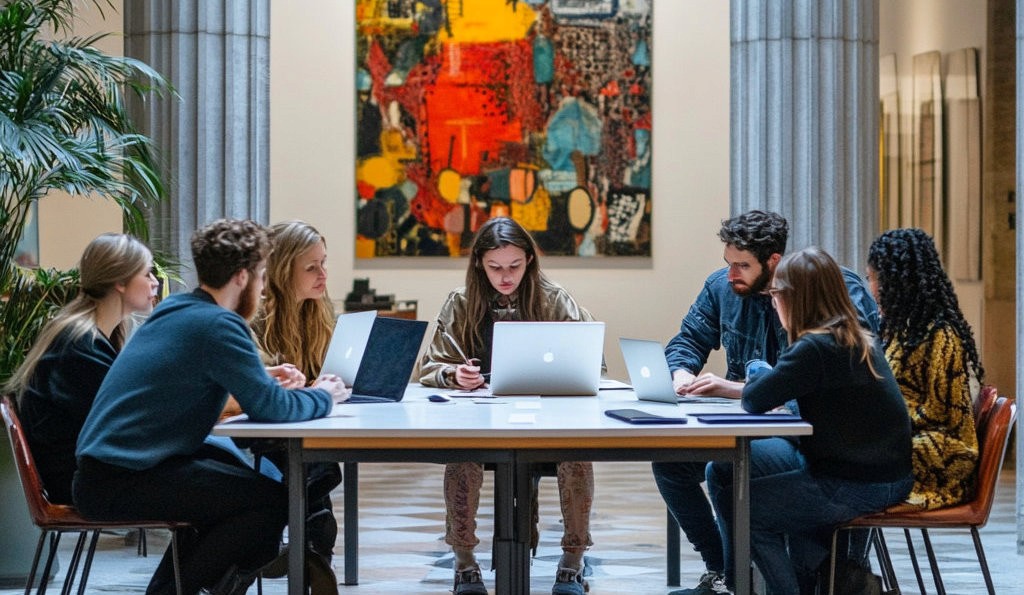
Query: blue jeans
[[679, 484], [792, 512]]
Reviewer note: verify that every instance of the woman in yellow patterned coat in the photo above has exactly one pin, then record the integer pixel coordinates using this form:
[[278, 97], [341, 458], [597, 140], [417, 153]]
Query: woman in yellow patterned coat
[[932, 353]]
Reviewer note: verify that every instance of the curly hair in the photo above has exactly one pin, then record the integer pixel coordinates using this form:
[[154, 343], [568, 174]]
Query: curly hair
[[915, 294], [226, 246], [761, 233]]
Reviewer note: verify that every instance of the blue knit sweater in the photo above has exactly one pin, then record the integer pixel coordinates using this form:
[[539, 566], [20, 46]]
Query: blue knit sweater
[[168, 386]]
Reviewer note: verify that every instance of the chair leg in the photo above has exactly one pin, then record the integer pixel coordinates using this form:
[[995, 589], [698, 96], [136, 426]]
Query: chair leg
[[913, 561], [885, 561], [88, 562], [142, 548], [76, 556], [982, 561], [939, 587], [177, 565], [50, 556], [832, 562], [672, 552], [35, 561]]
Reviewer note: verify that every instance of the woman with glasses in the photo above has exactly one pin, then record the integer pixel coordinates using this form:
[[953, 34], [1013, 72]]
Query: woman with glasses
[[503, 282], [857, 460]]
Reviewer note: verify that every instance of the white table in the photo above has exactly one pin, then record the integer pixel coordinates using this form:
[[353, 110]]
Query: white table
[[511, 433]]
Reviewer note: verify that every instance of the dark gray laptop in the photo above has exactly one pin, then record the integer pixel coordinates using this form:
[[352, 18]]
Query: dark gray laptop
[[388, 360]]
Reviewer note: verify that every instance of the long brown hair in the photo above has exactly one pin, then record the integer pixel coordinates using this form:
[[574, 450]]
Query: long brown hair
[[286, 329], [816, 300], [529, 298], [109, 260]]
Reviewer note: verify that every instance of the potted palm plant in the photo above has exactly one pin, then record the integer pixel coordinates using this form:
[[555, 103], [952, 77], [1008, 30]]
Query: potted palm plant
[[64, 126]]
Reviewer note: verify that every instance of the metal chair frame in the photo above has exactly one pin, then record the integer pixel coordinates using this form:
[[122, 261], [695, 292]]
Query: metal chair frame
[[54, 520]]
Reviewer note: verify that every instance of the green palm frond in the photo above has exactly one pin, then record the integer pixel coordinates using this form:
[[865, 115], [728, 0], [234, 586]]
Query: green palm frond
[[64, 125]]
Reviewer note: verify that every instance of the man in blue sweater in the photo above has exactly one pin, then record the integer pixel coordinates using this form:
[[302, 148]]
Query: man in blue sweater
[[141, 452]]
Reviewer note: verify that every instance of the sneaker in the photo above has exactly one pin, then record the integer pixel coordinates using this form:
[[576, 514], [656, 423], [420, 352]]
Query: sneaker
[[469, 582], [569, 581], [710, 583]]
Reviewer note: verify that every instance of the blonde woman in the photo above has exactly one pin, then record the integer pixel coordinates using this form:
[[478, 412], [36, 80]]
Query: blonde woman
[[293, 328], [56, 384]]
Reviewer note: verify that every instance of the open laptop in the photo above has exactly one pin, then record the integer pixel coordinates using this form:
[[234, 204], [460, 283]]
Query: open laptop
[[386, 350], [649, 374], [546, 358]]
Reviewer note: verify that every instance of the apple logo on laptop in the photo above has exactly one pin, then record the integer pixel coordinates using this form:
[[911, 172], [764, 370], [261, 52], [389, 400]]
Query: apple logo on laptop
[[549, 357], [645, 372], [348, 352]]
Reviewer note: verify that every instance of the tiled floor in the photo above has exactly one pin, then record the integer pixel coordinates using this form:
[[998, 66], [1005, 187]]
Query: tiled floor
[[402, 548]]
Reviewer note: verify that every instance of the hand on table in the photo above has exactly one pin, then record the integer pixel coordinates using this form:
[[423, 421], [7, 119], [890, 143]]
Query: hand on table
[[710, 385], [333, 385]]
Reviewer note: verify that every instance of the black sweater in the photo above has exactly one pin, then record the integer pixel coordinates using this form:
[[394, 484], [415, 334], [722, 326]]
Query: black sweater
[[861, 426]]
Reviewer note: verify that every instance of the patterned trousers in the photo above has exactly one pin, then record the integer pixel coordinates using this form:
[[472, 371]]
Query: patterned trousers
[[462, 483]]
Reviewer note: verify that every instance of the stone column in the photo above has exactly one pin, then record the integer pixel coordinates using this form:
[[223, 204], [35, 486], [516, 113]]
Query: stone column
[[804, 123], [215, 140]]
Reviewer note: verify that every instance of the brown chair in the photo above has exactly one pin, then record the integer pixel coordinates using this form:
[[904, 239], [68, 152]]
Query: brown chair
[[995, 423], [56, 519]]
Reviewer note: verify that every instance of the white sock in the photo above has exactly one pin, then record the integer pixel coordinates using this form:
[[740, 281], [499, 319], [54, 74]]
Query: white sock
[[464, 559]]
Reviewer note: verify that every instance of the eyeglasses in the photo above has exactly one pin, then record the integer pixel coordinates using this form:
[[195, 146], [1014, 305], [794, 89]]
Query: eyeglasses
[[774, 293]]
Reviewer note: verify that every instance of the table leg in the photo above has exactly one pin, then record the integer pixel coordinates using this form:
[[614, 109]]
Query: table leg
[[351, 521], [504, 528], [296, 518], [741, 515]]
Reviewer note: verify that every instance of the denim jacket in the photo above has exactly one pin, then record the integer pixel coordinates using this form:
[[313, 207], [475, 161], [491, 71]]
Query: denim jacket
[[742, 325]]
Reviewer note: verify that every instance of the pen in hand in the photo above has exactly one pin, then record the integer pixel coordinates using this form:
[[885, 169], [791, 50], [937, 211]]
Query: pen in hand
[[458, 349]]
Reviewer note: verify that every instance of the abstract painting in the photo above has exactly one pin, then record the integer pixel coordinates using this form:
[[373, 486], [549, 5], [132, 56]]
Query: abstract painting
[[539, 110]]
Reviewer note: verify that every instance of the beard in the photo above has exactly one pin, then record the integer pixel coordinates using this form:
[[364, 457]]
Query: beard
[[248, 301], [758, 286]]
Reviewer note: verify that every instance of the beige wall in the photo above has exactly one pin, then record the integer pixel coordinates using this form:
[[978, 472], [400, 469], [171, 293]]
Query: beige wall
[[312, 167], [68, 223]]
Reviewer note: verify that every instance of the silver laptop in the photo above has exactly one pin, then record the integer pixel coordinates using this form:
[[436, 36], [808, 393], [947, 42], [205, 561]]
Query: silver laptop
[[650, 377], [648, 370], [351, 334], [546, 358]]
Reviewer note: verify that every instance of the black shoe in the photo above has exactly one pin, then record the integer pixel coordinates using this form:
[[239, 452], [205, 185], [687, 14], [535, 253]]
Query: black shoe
[[277, 567], [320, 575], [234, 582]]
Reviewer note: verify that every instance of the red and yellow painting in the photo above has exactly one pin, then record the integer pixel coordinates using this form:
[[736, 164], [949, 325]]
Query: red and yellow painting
[[537, 110]]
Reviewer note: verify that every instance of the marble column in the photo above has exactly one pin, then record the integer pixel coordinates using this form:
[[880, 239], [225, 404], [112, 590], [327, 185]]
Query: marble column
[[804, 119], [215, 140]]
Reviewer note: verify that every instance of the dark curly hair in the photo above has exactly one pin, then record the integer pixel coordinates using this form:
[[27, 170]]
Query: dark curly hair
[[761, 233], [227, 246], [915, 293]]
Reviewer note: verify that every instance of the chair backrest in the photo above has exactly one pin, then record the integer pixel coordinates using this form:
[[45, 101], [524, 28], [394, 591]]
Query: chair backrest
[[982, 407], [31, 482], [997, 423]]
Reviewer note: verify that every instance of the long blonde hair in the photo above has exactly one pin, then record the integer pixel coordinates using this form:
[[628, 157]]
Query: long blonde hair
[[286, 329], [810, 284], [110, 260]]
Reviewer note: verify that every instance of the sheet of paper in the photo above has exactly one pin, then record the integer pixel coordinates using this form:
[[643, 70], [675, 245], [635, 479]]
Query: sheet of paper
[[522, 418]]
